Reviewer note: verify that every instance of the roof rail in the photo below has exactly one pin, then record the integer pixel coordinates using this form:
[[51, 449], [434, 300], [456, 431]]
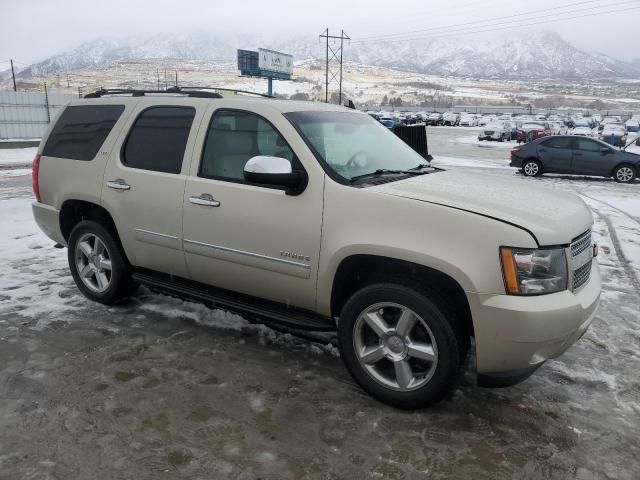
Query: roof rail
[[189, 90], [141, 93], [233, 90]]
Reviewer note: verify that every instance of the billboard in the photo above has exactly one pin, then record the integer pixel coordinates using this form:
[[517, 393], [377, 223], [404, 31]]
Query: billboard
[[277, 62]]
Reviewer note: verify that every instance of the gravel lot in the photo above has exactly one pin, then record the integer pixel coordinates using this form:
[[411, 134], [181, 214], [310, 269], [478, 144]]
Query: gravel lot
[[160, 388]]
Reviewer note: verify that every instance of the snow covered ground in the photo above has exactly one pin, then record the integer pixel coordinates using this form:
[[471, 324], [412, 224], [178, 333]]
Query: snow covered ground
[[161, 387], [16, 157]]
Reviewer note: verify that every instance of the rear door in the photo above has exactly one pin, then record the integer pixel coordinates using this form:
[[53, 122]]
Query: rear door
[[555, 155], [588, 159], [145, 178]]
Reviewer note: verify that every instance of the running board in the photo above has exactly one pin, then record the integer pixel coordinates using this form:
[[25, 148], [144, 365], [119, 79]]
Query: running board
[[264, 311]]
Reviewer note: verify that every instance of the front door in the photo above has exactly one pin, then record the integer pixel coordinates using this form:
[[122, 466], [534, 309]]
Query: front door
[[555, 155], [245, 237], [144, 183], [589, 159]]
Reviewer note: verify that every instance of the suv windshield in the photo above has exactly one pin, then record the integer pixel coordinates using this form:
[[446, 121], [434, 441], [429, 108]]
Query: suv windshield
[[354, 144]]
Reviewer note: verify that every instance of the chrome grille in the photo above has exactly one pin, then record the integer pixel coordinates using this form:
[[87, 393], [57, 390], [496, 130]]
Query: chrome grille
[[489, 132], [581, 243], [581, 275], [581, 259]]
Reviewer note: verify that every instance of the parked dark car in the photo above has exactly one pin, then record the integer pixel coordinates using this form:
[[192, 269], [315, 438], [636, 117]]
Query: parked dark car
[[575, 155]]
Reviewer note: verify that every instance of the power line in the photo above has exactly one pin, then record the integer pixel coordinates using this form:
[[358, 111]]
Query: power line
[[483, 30], [511, 16]]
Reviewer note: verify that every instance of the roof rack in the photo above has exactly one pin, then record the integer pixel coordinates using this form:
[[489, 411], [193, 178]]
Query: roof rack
[[141, 93], [233, 90], [190, 91]]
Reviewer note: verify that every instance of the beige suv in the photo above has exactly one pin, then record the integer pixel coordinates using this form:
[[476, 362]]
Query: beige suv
[[313, 216]]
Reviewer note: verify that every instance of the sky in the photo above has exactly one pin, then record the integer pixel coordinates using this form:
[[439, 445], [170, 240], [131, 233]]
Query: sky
[[33, 30]]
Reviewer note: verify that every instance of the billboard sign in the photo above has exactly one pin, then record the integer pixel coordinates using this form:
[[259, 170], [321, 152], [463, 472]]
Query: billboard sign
[[277, 62]]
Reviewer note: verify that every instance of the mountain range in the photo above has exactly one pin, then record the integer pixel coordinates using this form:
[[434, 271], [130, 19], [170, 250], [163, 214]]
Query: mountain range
[[513, 55]]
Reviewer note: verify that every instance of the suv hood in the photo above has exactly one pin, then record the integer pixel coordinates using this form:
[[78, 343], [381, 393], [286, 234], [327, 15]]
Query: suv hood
[[551, 216]]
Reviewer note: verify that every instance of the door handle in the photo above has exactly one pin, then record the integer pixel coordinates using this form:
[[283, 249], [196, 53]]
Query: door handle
[[576, 154], [543, 150], [205, 199], [118, 184]]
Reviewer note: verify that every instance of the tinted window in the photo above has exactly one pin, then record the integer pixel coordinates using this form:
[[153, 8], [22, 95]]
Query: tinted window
[[588, 145], [233, 138], [560, 142], [81, 131], [158, 139]]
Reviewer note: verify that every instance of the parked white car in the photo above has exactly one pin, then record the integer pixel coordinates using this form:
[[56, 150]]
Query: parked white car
[[558, 128], [582, 129], [450, 119], [499, 131], [633, 125], [469, 120]]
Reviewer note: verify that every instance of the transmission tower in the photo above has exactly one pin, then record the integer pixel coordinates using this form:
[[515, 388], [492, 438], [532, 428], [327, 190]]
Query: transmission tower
[[333, 62]]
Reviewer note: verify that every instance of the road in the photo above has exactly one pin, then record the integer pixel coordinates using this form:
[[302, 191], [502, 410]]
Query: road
[[160, 388]]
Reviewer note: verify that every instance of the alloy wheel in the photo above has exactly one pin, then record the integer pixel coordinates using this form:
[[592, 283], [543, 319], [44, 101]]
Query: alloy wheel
[[93, 262], [624, 174], [395, 346], [531, 169]]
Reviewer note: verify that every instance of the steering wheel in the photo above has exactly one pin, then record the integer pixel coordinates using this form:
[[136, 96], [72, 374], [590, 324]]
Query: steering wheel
[[351, 163]]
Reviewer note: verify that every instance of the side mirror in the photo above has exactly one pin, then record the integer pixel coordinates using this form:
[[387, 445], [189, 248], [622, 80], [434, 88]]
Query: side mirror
[[273, 171]]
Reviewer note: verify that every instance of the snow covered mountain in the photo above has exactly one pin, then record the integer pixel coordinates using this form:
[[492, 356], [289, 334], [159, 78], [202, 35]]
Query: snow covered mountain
[[513, 55]]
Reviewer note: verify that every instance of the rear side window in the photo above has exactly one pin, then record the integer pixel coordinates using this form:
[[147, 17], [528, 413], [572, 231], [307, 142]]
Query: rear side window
[[81, 131], [560, 142], [158, 139]]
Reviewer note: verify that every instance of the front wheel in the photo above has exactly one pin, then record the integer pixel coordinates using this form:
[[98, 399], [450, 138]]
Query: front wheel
[[624, 173], [399, 345], [98, 265], [532, 168]]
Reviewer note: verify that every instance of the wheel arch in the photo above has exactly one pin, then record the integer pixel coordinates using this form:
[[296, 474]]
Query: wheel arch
[[620, 164], [357, 271], [73, 211]]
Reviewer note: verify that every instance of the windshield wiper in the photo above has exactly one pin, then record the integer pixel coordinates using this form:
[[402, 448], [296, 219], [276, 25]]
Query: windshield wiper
[[417, 170], [380, 171]]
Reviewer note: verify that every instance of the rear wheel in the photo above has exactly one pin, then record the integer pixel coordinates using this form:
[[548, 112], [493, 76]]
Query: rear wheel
[[624, 173], [532, 168], [98, 265], [399, 345]]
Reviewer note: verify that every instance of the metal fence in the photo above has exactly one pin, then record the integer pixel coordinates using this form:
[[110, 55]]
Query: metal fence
[[26, 115]]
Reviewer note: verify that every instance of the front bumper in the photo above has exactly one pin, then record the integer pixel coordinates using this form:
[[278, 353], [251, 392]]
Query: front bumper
[[516, 334], [48, 219]]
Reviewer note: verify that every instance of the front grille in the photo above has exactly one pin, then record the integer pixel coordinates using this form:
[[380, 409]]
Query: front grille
[[489, 132], [581, 243], [581, 275]]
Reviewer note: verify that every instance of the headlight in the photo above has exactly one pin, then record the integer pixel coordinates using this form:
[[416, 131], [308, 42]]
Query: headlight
[[528, 271]]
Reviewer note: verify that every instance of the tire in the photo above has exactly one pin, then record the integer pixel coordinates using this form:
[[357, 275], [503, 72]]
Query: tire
[[397, 370], [98, 265], [502, 138], [624, 173], [532, 168]]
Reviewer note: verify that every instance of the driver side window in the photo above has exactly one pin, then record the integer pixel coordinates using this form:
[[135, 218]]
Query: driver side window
[[233, 138]]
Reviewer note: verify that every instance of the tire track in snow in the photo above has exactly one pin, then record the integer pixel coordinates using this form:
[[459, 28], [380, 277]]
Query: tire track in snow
[[626, 264]]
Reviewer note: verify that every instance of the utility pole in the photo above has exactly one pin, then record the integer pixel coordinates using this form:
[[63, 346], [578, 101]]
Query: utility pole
[[176, 78], [13, 75], [332, 73], [46, 102], [158, 77]]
